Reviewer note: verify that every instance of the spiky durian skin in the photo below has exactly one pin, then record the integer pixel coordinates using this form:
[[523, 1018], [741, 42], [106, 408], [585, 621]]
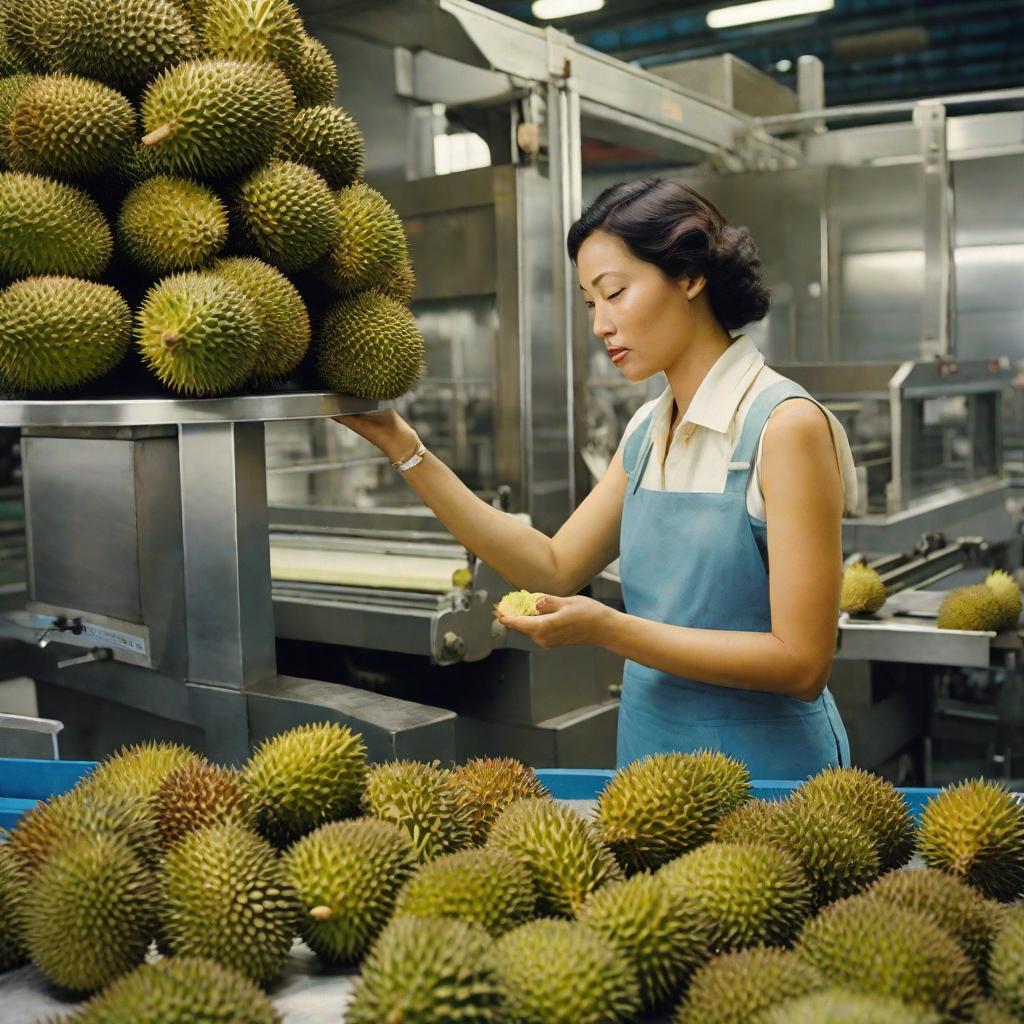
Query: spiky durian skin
[[226, 896], [1006, 964], [421, 798], [314, 76], [1007, 593], [370, 346], [173, 991], [974, 608], [485, 786], [47, 227], [32, 30], [197, 795], [10, 87], [138, 770], [951, 903], [838, 1006], [883, 949], [562, 972], [975, 830], [749, 823], [60, 332], [486, 887], [214, 118], [666, 804], [12, 894], [427, 971], [370, 249], [328, 140], [746, 894], [518, 602], [654, 929], [563, 853], [90, 913], [10, 63], [124, 44], [169, 224], [287, 213], [863, 590], [199, 334], [305, 777], [989, 1012], [281, 311], [67, 125], [737, 987], [255, 31], [877, 805], [347, 875]]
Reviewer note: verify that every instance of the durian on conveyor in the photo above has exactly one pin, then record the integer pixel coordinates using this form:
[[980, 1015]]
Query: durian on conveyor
[[863, 590]]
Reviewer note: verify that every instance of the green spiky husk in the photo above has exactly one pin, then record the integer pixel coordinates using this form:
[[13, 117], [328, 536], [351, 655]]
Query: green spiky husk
[[13, 951], [327, 139], [974, 608], [32, 29], [255, 31], [138, 770], [314, 76], [197, 795], [990, 1012], [664, 805], [1007, 593], [47, 227], [305, 777], [485, 786], [749, 823], [425, 970], [863, 590], [1006, 964], [563, 853], [10, 87], [838, 1006], [10, 63], [561, 972]]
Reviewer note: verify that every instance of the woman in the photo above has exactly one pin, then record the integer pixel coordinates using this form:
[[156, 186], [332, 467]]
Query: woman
[[723, 501]]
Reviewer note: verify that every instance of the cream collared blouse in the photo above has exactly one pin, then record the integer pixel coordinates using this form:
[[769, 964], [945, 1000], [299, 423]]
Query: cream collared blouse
[[701, 446]]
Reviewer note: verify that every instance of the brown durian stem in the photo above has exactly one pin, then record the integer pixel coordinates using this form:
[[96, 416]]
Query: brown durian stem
[[170, 339], [158, 135], [321, 913]]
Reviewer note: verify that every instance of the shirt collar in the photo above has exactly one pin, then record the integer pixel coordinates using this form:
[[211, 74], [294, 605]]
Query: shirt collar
[[720, 392]]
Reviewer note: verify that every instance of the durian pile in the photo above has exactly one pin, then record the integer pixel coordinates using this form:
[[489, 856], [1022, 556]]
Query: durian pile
[[181, 207], [171, 890]]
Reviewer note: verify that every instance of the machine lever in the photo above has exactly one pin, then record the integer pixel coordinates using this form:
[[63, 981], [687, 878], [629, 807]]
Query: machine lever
[[96, 654]]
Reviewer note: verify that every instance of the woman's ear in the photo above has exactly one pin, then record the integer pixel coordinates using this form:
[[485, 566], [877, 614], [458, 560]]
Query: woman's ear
[[693, 286]]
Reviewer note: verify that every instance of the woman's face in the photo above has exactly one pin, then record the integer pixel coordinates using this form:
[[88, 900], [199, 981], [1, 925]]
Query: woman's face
[[643, 317]]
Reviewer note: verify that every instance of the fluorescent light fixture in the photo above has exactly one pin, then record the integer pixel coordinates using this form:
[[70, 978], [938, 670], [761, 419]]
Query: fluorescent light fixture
[[784, 65], [551, 10], [764, 10]]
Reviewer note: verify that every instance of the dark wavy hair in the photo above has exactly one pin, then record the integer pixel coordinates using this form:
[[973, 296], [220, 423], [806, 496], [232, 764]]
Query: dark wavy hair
[[683, 234]]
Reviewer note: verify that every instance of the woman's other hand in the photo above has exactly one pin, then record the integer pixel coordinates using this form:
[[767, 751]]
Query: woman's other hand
[[563, 621], [385, 430]]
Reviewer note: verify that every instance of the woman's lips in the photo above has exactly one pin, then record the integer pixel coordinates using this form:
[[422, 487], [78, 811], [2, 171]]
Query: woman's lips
[[617, 354]]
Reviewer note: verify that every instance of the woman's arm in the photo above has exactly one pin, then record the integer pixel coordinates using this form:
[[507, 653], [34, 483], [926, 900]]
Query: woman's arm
[[804, 500], [525, 557]]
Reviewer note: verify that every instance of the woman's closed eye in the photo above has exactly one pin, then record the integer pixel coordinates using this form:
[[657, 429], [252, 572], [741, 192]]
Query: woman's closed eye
[[590, 305]]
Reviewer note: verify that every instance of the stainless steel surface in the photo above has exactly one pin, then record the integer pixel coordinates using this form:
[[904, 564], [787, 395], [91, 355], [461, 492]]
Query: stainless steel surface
[[888, 639], [930, 120], [732, 82]]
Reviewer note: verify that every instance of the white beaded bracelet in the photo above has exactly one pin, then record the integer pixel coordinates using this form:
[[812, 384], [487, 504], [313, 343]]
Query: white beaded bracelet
[[414, 460]]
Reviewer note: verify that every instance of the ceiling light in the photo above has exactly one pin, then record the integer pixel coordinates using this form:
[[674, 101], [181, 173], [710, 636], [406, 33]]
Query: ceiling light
[[784, 65], [552, 10], [763, 10]]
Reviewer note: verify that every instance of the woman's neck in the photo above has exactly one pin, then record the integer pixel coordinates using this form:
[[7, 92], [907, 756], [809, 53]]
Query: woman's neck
[[692, 366]]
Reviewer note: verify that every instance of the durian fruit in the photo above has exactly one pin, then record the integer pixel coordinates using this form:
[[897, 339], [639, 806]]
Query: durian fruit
[[59, 332], [10, 63], [67, 125], [214, 118], [487, 887], [124, 43], [427, 971], [304, 777], [989, 1012], [975, 830], [485, 786], [562, 972], [197, 795], [255, 31], [838, 1006], [877, 804], [47, 227], [226, 896], [135, 165], [370, 248], [737, 988], [974, 608], [421, 798], [281, 311], [199, 334], [138, 770], [173, 991], [1006, 965], [287, 213], [863, 590], [347, 875], [370, 346], [1007, 593], [884, 949], [518, 602], [9, 90], [195, 12], [951, 903], [749, 823], [666, 804], [32, 30], [90, 912], [747, 894], [328, 140], [653, 928], [314, 77], [12, 894], [563, 853], [169, 224]]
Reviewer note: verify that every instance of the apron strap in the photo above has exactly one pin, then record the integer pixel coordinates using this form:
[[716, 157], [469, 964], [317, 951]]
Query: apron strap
[[635, 456], [753, 426]]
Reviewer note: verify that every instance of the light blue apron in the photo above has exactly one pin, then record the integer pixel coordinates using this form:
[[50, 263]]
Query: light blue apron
[[699, 559]]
